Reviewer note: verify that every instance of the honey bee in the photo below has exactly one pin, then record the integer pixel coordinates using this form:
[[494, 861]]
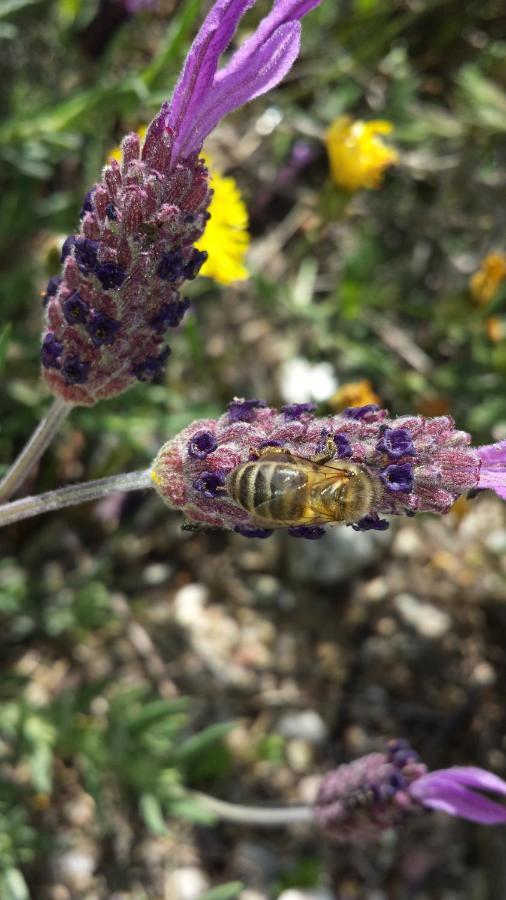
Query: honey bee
[[280, 489]]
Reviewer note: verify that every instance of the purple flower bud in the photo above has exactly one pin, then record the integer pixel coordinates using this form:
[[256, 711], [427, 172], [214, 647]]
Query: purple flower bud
[[342, 442], [194, 264], [76, 312], [51, 290], [110, 275], [202, 444], [151, 367], [296, 410], [170, 267], [85, 254], [102, 329], [365, 413], [244, 410], [398, 477], [371, 523], [87, 203], [253, 532], [75, 370], [310, 532], [210, 484], [396, 442], [170, 315], [51, 351], [110, 211], [68, 246]]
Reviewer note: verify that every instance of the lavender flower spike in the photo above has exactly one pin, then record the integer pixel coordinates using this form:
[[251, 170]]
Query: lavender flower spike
[[123, 272], [493, 468], [416, 464], [359, 800]]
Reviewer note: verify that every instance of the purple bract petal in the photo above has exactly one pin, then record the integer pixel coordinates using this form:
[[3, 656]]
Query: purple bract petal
[[455, 791], [200, 67], [203, 95], [493, 468]]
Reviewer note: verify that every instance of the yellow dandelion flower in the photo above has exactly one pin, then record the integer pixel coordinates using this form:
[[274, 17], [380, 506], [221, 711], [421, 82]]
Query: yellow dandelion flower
[[226, 238], [485, 283], [354, 393], [357, 155]]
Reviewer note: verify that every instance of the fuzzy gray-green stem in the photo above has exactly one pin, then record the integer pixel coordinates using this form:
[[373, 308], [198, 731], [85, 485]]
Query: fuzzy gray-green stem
[[31, 453], [273, 817], [72, 495]]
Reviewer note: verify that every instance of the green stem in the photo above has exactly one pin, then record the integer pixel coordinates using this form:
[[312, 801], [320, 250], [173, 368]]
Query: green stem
[[72, 495], [31, 453]]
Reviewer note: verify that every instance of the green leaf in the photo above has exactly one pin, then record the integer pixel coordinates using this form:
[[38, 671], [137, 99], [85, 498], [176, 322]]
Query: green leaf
[[151, 812], [224, 891], [202, 741]]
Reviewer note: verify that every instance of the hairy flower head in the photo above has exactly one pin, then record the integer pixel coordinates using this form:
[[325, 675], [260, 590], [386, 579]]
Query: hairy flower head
[[123, 271], [357, 154], [359, 800], [226, 239], [416, 464], [485, 283]]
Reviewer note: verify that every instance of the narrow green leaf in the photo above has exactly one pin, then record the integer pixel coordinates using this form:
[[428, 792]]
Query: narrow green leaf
[[224, 891], [151, 812], [4, 343], [203, 740]]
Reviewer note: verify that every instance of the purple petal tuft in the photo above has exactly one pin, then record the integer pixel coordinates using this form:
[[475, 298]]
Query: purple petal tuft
[[493, 468], [203, 95], [455, 791]]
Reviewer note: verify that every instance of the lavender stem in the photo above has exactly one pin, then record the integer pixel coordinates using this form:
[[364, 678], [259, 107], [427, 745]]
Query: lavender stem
[[31, 453], [255, 815], [72, 495]]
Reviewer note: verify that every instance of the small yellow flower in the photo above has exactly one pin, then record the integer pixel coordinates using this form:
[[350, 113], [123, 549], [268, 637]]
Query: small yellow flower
[[485, 282], [226, 238], [354, 393], [357, 155], [496, 329]]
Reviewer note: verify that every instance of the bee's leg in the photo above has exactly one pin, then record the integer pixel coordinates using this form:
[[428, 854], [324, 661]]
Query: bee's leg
[[258, 452], [327, 454]]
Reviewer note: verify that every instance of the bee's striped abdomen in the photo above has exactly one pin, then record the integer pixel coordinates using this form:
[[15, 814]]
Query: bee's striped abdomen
[[270, 485]]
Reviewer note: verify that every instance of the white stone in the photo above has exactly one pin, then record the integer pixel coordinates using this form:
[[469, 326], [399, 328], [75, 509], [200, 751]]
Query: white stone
[[188, 883], [425, 618], [305, 725], [188, 603]]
